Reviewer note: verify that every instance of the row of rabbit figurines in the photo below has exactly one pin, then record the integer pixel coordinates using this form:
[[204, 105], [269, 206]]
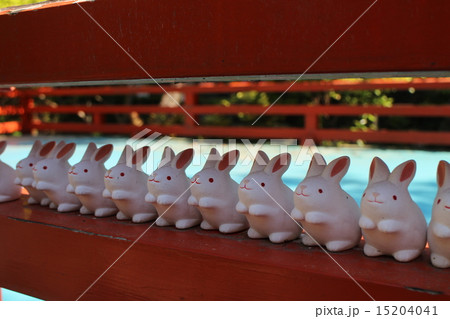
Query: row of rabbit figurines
[[319, 210]]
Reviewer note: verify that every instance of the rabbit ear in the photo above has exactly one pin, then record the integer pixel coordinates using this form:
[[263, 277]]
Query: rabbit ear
[[2, 146], [317, 165], [279, 164], [167, 157], [337, 169], [443, 174], [229, 160], [56, 149], [35, 148], [47, 149], [140, 156], [91, 148], [403, 174], [378, 171], [213, 158], [183, 159], [66, 152], [260, 162], [102, 154], [126, 153]]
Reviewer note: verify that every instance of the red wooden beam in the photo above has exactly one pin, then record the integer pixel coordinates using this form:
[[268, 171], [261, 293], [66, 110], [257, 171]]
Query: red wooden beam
[[203, 39], [57, 256]]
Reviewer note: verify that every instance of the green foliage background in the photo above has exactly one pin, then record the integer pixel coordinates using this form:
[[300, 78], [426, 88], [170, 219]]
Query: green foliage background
[[10, 3]]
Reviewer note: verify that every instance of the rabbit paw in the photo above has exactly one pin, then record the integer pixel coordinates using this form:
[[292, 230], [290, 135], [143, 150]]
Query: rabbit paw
[[143, 217], [206, 226], [442, 231], [105, 212], [371, 251], [241, 208], [17, 181], [308, 241], [45, 201], [149, 198], [68, 207], [85, 211], [406, 255], [32, 201], [5, 198], [122, 216], [187, 223], [281, 237], [366, 223], [162, 222], [297, 215], [70, 189], [340, 245], [316, 217], [52, 205], [120, 195], [440, 261], [207, 202], [389, 226], [254, 234], [232, 228], [106, 193], [42, 186], [27, 181], [257, 210], [166, 199], [84, 190], [192, 201]]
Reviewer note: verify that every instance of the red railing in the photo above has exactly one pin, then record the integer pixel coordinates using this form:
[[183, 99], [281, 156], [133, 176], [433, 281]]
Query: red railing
[[27, 109]]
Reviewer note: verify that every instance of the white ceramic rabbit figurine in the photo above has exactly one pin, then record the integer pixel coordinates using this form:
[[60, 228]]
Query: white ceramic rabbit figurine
[[126, 185], [266, 201], [328, 214], [215, 193], [391, 222], [50, 175], [86, 181], [169, 190], [8, 189], [439, 228], [24, 171]]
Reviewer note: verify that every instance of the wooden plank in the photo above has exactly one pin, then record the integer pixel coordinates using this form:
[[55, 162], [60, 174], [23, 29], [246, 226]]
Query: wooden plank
[[202, 39], [57, 256]]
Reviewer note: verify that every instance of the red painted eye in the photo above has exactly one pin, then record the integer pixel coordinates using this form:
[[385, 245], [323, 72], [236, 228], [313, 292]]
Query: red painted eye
[[31, 164], [169, 178], [122, 174], [394, 197], [320, 190], [439, 200], [211, 180], [263, 184], [45, 167], [85, 170]]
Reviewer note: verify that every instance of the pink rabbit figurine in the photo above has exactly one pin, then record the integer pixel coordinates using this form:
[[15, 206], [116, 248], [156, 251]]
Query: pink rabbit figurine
[[50, 175], [215, 194], [169, 190], [86, 181], [24, 171], [391, 222], [126, 186], [327, 213], [266, 201], [8, 189], [439, 228]]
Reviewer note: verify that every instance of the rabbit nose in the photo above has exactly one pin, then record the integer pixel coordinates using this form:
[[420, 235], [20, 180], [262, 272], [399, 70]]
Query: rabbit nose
[[302, 187], [375, 194], [246, 181]]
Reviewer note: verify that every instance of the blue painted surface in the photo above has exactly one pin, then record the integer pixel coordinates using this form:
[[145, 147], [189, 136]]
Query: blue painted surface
[[423, 188], [9, 295]]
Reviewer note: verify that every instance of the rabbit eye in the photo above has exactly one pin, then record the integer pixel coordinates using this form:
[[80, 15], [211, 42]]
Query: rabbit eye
[[31, 164], [169, 178], [320, 190], [211, 180], [122, 174], [263, 184], [85, 170], [439, 200], [45, 167], [364, 194], [394, 197]]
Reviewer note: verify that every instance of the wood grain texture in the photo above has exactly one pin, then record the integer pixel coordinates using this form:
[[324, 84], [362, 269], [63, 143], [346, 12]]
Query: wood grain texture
[[56, 256], [173, 39]]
